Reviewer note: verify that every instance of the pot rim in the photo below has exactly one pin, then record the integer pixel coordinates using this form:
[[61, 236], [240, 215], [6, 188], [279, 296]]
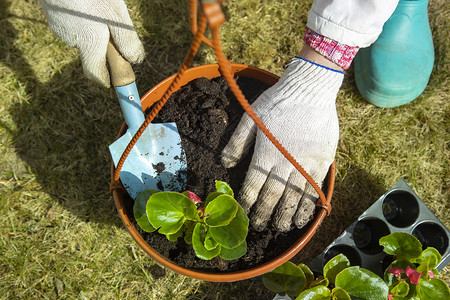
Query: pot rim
[[210, 71]]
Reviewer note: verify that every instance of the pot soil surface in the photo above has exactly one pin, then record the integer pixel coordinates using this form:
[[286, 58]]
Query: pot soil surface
[[206, 113]]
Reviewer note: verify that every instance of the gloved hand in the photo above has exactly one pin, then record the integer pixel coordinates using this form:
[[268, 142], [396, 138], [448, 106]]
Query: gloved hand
[[300, 111], [88, 26]]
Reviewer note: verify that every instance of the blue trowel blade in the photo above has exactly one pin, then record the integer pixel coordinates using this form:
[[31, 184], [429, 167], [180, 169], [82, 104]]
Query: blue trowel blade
[[157, 160]]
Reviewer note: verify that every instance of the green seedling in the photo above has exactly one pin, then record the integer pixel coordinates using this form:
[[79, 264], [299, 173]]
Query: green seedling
[[412, 275], [216, 227]]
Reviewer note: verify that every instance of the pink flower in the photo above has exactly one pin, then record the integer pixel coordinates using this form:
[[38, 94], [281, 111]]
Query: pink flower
[[390, 296], [396, 271], [413, 275], [431, 274], [196, 199]]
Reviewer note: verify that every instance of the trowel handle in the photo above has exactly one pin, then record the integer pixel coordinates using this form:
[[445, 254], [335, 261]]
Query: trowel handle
[[123, 80], [120, 69]]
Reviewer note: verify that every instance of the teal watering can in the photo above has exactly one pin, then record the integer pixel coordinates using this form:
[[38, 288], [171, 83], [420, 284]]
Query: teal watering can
[[396, 68]]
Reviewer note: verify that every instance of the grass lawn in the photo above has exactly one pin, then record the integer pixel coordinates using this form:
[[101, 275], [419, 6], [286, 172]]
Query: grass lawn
[[60, 234]]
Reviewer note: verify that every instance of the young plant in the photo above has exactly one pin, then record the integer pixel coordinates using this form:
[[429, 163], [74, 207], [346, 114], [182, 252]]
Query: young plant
[[412, 275], [217, 227]]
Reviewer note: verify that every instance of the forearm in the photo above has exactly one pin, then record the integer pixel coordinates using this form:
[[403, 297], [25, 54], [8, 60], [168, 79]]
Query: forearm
[[337, 29], [312, 55]]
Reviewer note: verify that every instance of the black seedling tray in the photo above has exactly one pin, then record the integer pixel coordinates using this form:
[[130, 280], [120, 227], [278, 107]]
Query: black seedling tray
[[398, 210]]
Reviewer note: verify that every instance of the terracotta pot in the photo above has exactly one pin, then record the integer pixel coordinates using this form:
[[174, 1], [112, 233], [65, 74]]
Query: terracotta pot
[[123, 200]]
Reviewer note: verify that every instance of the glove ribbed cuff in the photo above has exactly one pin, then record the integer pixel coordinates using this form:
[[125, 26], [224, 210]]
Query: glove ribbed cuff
[[310, 83], [340, 54]]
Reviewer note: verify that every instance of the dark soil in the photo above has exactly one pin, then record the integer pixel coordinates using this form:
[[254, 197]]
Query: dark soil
[[206, 114]]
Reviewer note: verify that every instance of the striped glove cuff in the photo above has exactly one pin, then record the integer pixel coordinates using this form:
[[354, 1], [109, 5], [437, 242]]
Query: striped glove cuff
[[340, 54]]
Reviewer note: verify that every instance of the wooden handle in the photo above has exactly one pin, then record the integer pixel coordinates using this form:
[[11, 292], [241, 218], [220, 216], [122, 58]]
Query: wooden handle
[[120, 69]]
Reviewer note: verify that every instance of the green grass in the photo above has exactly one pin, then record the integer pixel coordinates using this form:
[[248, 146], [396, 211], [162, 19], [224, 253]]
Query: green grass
[[60, 234]]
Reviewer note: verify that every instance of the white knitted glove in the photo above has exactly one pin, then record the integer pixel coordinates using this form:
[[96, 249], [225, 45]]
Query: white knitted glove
[[88, 26], [300, 111]]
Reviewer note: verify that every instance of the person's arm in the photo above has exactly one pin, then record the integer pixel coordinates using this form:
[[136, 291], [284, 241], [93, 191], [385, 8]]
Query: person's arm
[[355, 23], [336, 29], [312, 55], [300, 110]]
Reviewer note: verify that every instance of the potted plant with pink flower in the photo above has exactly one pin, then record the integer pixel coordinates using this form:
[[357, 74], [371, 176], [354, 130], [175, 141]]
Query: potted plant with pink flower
[[411, 275], [216, 227]]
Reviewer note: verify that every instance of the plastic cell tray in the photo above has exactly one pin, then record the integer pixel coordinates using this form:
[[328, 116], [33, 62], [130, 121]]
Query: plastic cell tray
[[398, 210]]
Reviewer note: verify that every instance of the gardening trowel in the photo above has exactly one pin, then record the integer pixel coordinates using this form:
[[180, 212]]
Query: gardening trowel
[[157, 160]]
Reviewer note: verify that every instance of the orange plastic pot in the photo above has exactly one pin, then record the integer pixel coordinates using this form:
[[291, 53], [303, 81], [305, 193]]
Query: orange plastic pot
[[123, 200]]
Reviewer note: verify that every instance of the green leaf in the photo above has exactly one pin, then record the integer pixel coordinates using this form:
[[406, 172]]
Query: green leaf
[[188, 239], [427, 252], [169, 210], [402, 245], [334, 266], [339, 294], [428, 264], [233, 234], [235, 253], [185, 230], [428, 260], [139, 211], [210, 242], [176, 235], [198, 240], [435, 289], [320, 281], [412, 292], [211, 197], [223, 187], [319, 292], [362, 283], [308, 273], [188, 230], [221, 211], [287, 278], [401, 289]]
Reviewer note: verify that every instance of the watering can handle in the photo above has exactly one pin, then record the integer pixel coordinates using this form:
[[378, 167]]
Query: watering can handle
[[120, 69]]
